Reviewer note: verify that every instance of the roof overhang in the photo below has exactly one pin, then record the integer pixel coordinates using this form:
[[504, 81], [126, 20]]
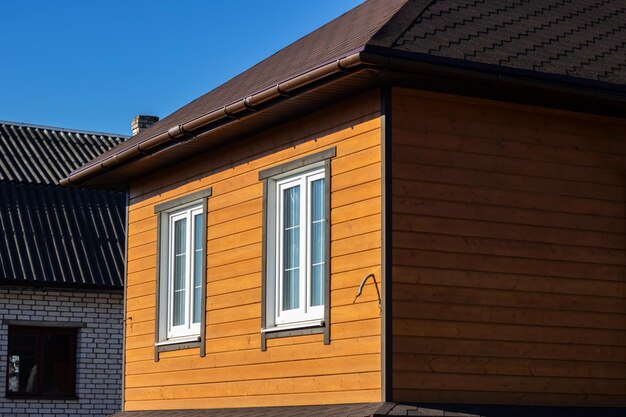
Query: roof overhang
[[341, 78]]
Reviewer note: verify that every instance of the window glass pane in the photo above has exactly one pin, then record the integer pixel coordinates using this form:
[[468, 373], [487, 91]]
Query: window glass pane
[[180, 264], [291, 248], [41, 361], [57, 372], [23, 363], [197, 267], [318, 242]]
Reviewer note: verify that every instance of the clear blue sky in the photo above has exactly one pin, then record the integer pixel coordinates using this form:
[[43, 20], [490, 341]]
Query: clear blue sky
[[93, 65]]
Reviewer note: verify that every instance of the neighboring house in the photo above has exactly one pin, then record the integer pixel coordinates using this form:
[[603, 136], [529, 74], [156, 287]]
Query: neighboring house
[[61, 269], [468, 155]]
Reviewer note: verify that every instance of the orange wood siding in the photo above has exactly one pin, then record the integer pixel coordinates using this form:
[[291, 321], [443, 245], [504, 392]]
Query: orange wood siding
[[296, 370], [509, 261]]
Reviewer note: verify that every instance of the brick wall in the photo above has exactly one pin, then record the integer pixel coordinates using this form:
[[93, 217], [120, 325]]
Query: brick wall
[[99, 352]]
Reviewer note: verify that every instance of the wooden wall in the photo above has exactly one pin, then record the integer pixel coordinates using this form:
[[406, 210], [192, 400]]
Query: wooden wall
[[509, 261], [296, 370]]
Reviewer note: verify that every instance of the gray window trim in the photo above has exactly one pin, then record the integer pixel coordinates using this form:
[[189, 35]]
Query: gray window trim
[[184, 200], [298, 163], [162, 212], [293, 332], [266, 175]]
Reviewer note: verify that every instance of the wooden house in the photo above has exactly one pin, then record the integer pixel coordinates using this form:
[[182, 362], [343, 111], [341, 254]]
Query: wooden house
[[459, 164], [61, 276]]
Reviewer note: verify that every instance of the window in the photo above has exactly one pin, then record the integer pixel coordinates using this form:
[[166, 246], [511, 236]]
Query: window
[[181, 272], [296, 245], [41, 362], [184, 276], [298, 258]]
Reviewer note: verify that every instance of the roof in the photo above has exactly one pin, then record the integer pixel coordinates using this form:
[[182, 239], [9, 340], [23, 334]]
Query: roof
[[578, 43], [584, 39], [53, 235], [61, 236], [35, 154], [386, 409], [345, 34]]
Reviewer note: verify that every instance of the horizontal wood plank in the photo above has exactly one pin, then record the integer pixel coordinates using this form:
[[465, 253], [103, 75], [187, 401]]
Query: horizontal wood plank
[[508, 253], [298, 369]]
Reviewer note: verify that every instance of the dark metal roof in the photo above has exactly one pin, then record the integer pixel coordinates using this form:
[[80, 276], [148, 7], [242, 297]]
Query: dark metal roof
[[52, 235], [61, 236], [578, 43], [387, 409], [44, 155]]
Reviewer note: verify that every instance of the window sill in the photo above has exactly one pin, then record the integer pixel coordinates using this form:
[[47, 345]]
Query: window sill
[[294, 326], [178, 340], [177, 344], [295, 329]]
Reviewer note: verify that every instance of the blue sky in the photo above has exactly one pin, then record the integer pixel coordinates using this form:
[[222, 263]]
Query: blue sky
[[93, 65]]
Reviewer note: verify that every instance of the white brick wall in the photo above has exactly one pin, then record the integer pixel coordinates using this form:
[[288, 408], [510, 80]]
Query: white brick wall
[[99, 355]]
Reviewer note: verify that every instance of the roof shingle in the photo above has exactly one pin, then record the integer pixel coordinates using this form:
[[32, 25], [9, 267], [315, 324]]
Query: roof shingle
[[581, 42], [584, 38]]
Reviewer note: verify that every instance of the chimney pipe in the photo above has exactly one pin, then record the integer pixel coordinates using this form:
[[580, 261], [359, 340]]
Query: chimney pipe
[[141, 123]]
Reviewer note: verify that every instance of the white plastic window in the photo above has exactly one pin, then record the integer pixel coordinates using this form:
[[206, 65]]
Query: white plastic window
[[296, 276], [184, 277]]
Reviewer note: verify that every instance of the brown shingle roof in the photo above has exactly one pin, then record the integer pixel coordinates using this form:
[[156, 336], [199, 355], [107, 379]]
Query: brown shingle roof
[[578, 42], [585, 39], [337, 38]]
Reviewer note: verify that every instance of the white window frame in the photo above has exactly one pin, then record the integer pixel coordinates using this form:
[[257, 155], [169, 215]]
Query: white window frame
[[188, 327], [191, 335], [306, 314]]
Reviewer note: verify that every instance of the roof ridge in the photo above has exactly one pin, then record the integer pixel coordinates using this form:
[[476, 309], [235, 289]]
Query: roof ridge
[[62, 129], [390, 32], [290, 44]]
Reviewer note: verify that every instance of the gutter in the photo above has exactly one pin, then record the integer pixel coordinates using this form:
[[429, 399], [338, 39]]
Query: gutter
[[181, 131], [368, 55], [423, 63]]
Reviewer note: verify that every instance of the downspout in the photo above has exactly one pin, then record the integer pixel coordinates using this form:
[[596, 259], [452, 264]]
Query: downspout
[[179, 132], [387, 246]]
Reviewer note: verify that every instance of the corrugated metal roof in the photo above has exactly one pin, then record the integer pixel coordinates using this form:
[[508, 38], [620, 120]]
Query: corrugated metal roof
[[57, 235], [44, 155], [52, 235], [579, 41]]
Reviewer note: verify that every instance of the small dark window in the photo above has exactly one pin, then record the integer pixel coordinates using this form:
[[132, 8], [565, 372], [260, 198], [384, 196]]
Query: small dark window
[[41, 362]]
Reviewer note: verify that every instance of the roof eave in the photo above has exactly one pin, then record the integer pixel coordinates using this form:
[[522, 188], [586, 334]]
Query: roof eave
[[370, 57], [180, 132], [455, 68]]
